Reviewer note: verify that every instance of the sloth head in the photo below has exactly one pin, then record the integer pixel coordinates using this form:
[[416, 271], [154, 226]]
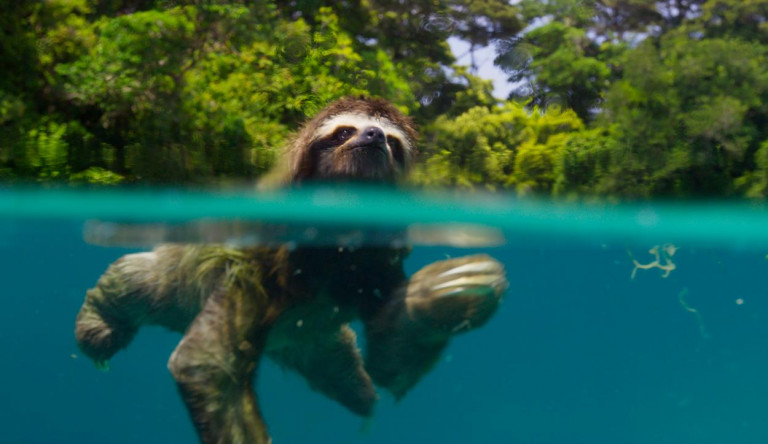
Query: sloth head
[[353, 139]]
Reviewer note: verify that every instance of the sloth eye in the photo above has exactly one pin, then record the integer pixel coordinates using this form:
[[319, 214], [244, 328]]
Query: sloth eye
[[342, 134], [337, 138], [397, 149]]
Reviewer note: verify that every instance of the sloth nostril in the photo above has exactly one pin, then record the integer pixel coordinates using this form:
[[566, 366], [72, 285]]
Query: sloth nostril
[[374, 134]]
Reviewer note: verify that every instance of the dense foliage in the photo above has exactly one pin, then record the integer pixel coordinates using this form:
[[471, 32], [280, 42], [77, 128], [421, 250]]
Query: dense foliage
[[633, 98]]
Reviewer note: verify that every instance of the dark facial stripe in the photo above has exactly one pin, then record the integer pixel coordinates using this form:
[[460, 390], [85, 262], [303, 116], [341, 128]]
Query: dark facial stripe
[[397, 150], [338, 137]]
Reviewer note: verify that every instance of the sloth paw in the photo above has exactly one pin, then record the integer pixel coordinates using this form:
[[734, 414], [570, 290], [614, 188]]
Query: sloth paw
[[456, 295]]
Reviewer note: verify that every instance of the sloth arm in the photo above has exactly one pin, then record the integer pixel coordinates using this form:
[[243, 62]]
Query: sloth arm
[[407, 334], [214, 367]]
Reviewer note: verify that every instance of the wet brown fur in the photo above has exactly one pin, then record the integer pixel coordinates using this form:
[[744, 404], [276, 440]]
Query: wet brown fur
[[292, 305]]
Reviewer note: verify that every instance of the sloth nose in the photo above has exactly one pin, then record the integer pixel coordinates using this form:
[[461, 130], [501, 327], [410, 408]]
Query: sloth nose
[[373, 134]]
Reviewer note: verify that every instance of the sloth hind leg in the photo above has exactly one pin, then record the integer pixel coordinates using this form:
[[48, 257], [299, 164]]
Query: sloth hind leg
[[214, 367], [332, 365]]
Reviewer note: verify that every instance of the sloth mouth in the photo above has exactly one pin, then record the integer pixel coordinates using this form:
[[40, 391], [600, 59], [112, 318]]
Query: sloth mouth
[[372, 147], [363, 161]]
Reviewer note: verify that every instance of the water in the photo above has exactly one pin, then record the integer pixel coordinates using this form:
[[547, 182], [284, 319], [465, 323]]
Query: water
[[579, 352]]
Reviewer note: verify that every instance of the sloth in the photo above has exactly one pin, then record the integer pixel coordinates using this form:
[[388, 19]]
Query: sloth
[[293, 304]]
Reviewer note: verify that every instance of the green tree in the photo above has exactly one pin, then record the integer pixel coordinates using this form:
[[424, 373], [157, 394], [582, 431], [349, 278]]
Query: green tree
[[162, 92], [686, 118], [496, 147]]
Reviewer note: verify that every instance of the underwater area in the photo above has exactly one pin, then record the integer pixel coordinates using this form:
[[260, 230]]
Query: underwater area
[[632, 323], [567, 139]]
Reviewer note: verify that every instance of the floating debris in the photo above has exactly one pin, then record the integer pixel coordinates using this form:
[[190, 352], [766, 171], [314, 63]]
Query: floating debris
[[681, 298], [663, 253]]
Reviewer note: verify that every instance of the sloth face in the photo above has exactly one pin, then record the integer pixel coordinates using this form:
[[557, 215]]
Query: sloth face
[[354, 146], [354, 139]]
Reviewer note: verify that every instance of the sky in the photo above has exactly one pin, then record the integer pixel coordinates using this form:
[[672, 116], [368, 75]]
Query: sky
[[487, 70]]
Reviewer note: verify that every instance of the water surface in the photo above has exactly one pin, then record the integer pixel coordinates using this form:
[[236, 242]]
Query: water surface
[[580, 351]]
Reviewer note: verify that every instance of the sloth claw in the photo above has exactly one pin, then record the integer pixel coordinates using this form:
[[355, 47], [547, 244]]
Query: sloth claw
[[456, 295]]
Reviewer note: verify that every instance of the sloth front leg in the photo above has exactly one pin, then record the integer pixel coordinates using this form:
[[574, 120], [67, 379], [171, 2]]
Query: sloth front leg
[[214, 367], [114, 309], [445, 298]]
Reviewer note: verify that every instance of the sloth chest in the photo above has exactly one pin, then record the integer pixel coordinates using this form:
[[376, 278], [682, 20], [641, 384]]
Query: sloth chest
[[323, 315], [341, 276]]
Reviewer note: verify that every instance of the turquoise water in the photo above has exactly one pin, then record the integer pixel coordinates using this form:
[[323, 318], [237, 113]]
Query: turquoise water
[[580, 351]]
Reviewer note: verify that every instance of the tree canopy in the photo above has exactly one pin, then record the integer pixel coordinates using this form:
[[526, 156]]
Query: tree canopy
[[628, 98]]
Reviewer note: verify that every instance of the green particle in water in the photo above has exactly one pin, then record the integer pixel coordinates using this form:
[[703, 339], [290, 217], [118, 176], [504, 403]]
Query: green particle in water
[[102, 365]]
